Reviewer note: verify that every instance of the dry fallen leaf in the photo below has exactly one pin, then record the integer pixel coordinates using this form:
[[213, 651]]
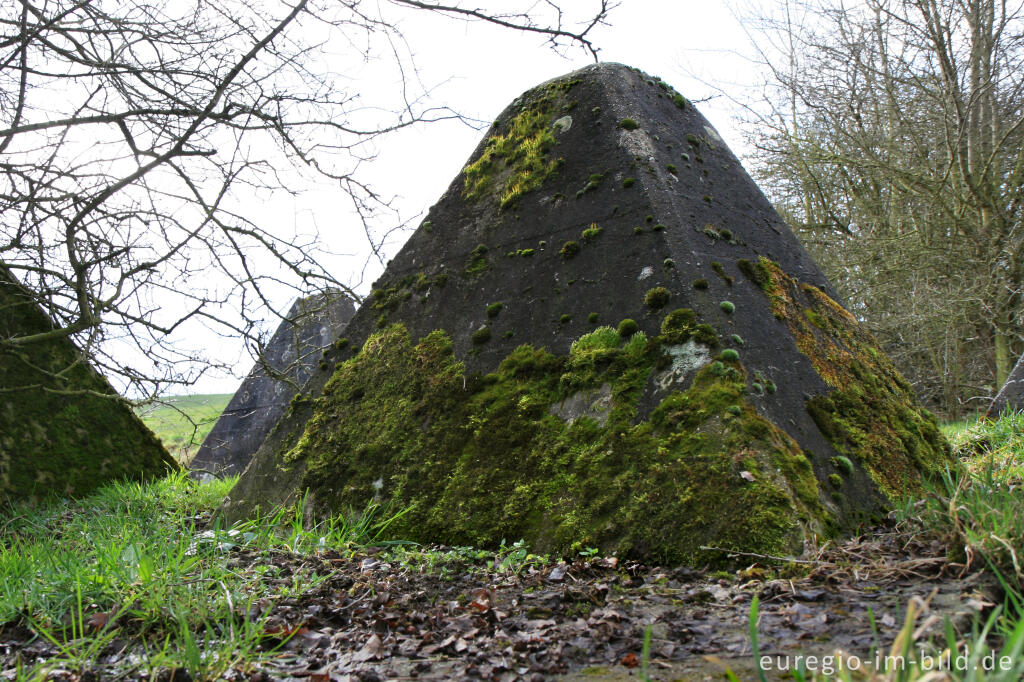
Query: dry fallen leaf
[[98, 621], [371, 651]]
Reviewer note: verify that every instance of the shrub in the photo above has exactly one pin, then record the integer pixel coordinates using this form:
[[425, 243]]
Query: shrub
[[700, 284], [628, 182], [628, 124], [737, 339], [481, 336], [493, 309], [592, 318], [627, 328], [727, 306], [729, 355]]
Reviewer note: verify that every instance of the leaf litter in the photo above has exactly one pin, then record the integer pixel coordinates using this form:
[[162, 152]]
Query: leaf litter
[[373, 616]]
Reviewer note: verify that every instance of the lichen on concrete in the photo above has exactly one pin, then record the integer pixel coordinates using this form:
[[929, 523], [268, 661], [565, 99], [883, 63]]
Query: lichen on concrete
[[686, 358]]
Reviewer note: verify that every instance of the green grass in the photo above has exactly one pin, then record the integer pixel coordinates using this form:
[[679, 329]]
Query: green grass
[[130, 562], [182, 422], [141, 563], [991, 445]]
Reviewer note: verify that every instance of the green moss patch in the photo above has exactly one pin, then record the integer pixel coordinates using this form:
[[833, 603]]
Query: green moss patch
[[592, 232], [479, 459], [518, 159], [63, 429], [477, 263], [681, 325], [627, 328], [872, 415], [656, 297], [569, 249]]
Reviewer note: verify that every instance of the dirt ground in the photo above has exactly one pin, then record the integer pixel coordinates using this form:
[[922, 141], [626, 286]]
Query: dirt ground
[[374, 620]]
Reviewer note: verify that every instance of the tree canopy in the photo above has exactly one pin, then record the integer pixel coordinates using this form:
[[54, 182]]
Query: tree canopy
[[893, 144]]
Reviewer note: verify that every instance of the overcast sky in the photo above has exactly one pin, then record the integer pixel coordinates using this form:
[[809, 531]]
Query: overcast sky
[[478, 70]]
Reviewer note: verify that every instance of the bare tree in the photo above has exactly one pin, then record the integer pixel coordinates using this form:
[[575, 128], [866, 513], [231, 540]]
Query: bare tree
[[894, 144], [138, 139]]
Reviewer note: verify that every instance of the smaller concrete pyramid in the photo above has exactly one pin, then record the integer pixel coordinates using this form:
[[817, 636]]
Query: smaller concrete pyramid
[[1011, 395], [312, 324], [63, 428]]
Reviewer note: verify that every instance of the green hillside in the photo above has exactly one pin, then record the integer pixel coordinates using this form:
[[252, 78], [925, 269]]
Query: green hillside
[[182, 422]]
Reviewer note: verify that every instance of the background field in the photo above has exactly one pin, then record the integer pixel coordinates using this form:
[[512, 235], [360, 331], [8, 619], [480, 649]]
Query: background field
[[182, 422]]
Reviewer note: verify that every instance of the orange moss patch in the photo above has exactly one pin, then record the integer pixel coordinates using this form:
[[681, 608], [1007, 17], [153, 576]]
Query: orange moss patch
[[872, 415]]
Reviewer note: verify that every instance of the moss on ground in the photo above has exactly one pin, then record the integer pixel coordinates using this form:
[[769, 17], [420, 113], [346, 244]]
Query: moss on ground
[[872, 415], [63, 429], [481, 459]]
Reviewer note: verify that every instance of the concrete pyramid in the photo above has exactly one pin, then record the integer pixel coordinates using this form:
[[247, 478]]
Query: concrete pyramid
[[63, 429], [1011, 395], [292, 355], [602, 335]]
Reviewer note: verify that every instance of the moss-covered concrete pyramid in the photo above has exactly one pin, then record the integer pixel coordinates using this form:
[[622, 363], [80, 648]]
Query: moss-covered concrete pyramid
[[292, 355], [63, 429], [602, 335]]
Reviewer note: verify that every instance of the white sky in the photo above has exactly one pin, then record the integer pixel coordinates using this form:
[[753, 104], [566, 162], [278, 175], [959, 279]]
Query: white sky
[[480, 69]]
